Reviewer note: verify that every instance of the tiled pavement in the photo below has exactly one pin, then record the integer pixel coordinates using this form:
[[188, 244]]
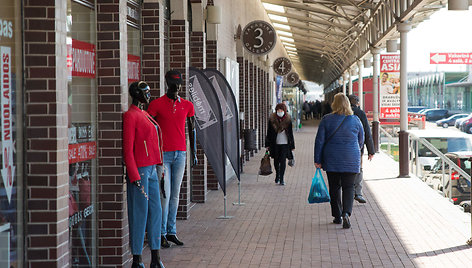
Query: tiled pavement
[[403, 224]]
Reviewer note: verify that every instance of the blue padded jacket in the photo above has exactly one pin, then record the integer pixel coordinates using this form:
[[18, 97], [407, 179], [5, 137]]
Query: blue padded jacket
[[342, 152]]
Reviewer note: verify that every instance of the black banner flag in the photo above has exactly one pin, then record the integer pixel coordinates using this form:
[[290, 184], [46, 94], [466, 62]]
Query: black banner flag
[[230, 116], [209, 122]]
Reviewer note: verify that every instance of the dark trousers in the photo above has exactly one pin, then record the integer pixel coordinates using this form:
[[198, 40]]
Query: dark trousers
[[280, 154], [338, 181]]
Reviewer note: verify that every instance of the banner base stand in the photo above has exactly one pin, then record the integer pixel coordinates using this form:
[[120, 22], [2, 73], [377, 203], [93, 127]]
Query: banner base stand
[[225, 217], [239, 196]]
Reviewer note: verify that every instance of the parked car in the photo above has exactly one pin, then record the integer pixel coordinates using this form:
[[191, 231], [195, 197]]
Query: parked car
[[416, 109], [444, 140], [460, 186], [435, 114], [450, 121], [466, 126], [460, 121], [465, 205]]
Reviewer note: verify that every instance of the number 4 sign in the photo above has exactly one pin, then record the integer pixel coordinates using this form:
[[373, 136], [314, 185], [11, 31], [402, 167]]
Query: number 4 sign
[[282, 66]]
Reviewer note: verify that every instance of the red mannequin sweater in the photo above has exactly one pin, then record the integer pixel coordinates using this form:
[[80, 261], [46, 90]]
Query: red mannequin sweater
[[142, 146]]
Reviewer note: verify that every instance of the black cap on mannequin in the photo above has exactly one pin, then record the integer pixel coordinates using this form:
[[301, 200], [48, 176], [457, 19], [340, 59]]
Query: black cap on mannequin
[[140, 91]]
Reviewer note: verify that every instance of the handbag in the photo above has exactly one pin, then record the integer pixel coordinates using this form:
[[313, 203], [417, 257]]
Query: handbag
[[318, 190], [265, 168]]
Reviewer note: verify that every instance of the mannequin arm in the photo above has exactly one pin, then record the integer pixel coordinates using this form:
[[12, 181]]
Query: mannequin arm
[[193, 140]]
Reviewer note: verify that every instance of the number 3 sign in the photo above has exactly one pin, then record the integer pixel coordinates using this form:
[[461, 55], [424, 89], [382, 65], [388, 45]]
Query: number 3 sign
[[259, 37], [282, 66]]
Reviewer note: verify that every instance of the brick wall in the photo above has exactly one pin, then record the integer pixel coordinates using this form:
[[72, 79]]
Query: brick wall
[[252, 98], [260, 110], [198, 179], [247, 100], [150, 45], [211, 62], [242, 101], [179, 60], [113, 236], [46, 144]]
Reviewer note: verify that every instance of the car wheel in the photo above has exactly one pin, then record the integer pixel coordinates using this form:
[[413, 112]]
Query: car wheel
[[445, 125], [468, 129]]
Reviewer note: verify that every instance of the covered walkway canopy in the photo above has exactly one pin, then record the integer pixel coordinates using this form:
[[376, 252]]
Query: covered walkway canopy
[[324, 38]]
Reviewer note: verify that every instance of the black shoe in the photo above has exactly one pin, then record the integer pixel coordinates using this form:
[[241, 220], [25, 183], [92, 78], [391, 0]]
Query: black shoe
[[338, 220], [346, 222], [164, 242], [276, 180], [174, 239], [138, 265], [360, 199], [157, 265], [282, 183]]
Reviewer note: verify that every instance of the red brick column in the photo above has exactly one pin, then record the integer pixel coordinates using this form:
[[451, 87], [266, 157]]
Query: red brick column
[[211, 62], [113, 250], [242, 101], [179, 60], [260, 110], [46, 140], [198, 180], [151, 64]]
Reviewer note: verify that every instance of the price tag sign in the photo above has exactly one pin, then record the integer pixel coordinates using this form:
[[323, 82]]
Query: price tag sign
[[259, 37], [293, 78], [282, 66]]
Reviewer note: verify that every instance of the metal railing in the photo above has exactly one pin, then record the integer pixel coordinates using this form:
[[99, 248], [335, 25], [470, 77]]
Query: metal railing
[[390, 139]]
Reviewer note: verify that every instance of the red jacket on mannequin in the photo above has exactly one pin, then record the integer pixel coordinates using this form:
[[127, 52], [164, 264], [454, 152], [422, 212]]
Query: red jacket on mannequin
[[141, 144]]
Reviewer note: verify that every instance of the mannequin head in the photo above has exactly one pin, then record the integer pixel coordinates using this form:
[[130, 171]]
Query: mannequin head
[[174, 83], [140, 92]]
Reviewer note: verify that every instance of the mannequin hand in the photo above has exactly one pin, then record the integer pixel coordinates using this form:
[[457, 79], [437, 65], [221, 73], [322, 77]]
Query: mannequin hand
[[194, 160], [137, 183]]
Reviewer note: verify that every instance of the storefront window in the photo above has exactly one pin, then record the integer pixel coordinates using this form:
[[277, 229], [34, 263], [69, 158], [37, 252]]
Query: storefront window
[[11, 154], [82, 115], [134, 42]]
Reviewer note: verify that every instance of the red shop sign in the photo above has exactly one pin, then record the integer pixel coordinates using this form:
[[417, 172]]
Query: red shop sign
[[82, 152], [83, 59], [134, 68]]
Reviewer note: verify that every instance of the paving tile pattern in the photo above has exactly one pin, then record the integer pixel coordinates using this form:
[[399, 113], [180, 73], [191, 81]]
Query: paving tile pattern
[[403, 224]]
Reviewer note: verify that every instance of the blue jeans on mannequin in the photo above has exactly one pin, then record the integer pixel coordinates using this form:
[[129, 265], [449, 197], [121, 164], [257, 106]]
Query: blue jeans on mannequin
[[144, 215], [174, 163]]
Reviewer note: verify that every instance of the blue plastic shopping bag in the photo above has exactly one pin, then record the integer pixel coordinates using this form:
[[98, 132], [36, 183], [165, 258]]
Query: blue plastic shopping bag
[[318, 191]]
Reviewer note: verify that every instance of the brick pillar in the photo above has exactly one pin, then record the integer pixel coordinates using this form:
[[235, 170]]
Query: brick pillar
[[151, 45], [113, 250], [252, 97], [247, 99], [46, 144], [198, 60], [211, 62], [260, 110], [242, 101], [179, 60]]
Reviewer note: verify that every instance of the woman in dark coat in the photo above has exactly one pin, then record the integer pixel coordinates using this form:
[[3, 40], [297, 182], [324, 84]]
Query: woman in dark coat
[[279, 140], [337, 150]]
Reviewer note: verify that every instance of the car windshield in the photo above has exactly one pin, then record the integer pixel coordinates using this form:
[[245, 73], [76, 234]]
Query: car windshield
[[445, 145]]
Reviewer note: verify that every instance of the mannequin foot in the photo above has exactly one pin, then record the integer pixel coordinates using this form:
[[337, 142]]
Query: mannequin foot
[[174, 239]]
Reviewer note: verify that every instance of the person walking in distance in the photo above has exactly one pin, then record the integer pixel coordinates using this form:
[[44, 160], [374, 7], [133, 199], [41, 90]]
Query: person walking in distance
[[369, 143], [279, 140], [171, 111]]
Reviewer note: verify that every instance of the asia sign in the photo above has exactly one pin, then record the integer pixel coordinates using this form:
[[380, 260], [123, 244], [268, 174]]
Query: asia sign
[[259, 37], [282, 66], [8, 168], [450, 58], [389, 86]]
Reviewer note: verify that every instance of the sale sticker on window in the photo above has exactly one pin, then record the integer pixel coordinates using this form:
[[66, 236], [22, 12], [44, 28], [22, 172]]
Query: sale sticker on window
[[8, 168], [82, 152]]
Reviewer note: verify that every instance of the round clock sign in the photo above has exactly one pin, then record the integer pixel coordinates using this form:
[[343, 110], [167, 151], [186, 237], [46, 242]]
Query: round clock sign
[[259, 37], [293, 78], [282, 66]]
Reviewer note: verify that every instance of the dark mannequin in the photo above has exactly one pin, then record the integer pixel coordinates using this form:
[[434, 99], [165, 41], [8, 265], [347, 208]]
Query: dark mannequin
[[173, 94], [141, 94]]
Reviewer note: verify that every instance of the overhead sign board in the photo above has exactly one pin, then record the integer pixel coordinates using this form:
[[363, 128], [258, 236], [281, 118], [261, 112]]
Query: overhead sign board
[[259, 37], [450, 58], [389, 86], [293, 78], [282, 66]]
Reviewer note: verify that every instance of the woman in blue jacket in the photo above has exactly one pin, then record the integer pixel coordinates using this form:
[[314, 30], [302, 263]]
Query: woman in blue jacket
[[337, 150]]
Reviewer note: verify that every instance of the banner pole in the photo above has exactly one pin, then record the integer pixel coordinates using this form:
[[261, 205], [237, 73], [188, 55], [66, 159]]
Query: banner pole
[[225, 217], [239, 196]]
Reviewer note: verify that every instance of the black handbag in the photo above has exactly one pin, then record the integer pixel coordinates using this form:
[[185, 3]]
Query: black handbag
[[265, 169]]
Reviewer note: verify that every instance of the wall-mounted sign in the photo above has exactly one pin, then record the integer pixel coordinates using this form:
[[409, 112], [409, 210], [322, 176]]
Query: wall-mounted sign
[[282, 66], [389, 91], [259, 37], [450, 58], [293, 78]]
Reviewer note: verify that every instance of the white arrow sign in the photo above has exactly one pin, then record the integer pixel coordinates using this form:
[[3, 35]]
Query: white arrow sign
[[438, 58]]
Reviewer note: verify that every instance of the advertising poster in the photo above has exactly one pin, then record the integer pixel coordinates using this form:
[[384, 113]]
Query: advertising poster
[[389, 86]]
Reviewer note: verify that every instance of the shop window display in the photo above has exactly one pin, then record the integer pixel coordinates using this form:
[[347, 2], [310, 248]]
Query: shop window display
[[82, 118], [11, 206]]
